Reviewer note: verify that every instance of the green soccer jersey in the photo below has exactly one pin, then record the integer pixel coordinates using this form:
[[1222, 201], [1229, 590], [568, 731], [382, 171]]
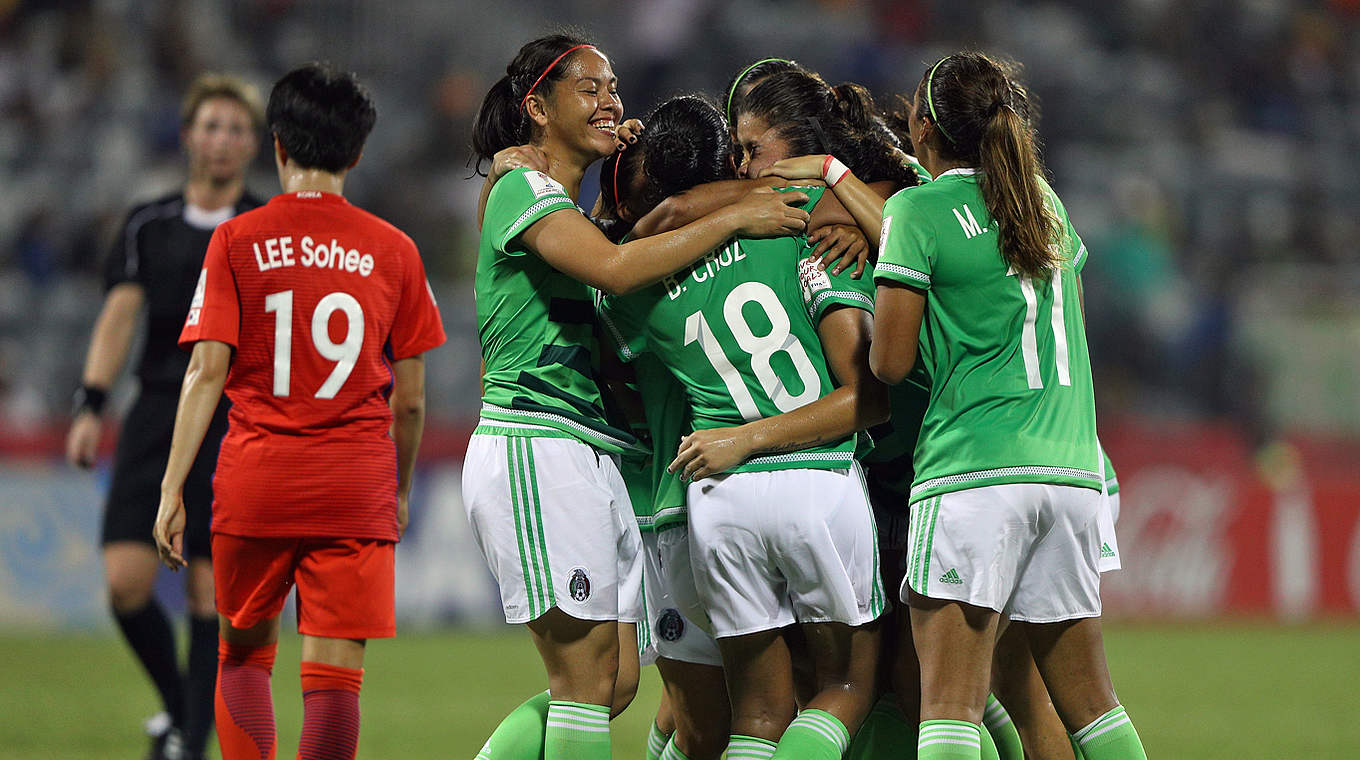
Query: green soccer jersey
[[1011, 397], [658, 496], [536, 326], [920, 170], [739, 330]]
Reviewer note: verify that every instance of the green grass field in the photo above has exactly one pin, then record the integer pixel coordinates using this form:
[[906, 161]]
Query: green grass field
[[1200, 691]]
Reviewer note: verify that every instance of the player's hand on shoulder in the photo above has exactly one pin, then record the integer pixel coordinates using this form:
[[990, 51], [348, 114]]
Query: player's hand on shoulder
[[517, 157], [82, 441], [840, 247], [169, 530], [711, 452], [766, 212], [798, 167], [626, 133]]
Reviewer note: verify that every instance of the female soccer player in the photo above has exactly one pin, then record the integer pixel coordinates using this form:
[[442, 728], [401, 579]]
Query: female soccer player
[[314, 315], [979, 269], [542, 489], [745, 331], [690, 141], [155, 263]]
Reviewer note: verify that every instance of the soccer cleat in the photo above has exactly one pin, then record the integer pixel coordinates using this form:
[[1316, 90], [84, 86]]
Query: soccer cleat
[[173, 747], [166, 741]]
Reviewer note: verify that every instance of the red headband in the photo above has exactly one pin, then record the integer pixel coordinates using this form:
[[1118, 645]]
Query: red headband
[[525, 102], [618, 202]]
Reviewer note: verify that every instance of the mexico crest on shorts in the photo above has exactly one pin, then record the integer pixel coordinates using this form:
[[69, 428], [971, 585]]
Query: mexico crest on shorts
[[579, 585], [671, 625]]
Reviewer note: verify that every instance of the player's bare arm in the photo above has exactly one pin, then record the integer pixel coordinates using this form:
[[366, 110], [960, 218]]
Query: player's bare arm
[[859, 401], [569, 242], [898, 311], [698, 201], [864, 202], [198, 399], [408, 422], [109, 346], [839, 243]]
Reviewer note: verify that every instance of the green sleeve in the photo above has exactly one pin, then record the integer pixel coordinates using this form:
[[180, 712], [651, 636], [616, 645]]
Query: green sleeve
[[624, 322], [822, 290], [1074, 243], [906, 252], [519, 199]]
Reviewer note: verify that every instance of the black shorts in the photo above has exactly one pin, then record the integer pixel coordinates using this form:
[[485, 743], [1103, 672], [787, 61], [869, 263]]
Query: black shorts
[[139, 465], [892, 516]]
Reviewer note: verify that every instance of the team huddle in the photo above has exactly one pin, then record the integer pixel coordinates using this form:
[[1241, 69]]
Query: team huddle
[[801, 412], [845, 510]]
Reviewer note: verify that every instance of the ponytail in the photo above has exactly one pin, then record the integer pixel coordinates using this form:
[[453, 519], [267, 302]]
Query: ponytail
[[499, 124], [855, 105], [1011, 189], [981, 118]]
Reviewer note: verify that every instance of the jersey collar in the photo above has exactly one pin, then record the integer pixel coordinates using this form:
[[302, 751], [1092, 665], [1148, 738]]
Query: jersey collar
[[311, 196], [961, 172]]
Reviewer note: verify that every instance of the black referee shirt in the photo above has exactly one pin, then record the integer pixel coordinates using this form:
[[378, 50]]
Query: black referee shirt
[[163, 253]]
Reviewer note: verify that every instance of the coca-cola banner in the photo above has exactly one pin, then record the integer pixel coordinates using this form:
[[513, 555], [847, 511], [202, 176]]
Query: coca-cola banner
[[1209, 525]]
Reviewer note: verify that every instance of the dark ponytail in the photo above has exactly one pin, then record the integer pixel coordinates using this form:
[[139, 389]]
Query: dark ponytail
[[502, 121], [855, 105], [980, 114]]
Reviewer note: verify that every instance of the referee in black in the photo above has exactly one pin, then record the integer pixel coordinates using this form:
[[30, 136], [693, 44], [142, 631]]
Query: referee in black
[[155, 264]]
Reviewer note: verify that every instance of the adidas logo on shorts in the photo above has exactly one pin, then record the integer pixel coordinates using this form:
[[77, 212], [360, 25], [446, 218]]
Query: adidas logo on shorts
[[951, 577], [1105, 551]]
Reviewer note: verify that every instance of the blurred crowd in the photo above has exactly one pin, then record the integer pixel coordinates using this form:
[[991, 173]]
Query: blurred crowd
[[1208, 151]]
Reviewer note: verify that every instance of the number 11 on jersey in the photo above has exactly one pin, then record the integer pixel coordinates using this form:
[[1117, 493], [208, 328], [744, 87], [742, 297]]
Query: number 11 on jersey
[[1029, 343]]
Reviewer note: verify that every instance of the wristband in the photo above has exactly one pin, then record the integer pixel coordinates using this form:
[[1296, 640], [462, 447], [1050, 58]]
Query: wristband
[[833, 171], [89, 398]]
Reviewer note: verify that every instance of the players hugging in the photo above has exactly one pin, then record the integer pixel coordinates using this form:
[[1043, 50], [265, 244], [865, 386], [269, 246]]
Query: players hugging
[[723, 465]]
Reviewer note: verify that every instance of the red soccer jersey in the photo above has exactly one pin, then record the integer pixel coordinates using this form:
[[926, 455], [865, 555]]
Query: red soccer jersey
[[318, 297]]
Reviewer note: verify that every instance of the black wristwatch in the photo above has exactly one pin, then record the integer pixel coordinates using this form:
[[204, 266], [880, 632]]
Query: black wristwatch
[[88, 398]]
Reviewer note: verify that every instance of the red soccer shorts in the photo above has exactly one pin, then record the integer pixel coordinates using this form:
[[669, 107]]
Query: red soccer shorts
[[346, 586]]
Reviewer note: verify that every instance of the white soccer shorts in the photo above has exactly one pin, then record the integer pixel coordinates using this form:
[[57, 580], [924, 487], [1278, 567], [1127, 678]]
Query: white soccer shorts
[[674, 613], [1027, 550], [553, 520], [1109, 543], [774, 548]]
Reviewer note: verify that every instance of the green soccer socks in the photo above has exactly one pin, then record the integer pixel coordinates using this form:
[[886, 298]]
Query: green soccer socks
[[949, 740], [520, 734], [813, 735], [1111, 737], [884, 732], [748, 748], [656, 743], [998, 723], [576, 731]]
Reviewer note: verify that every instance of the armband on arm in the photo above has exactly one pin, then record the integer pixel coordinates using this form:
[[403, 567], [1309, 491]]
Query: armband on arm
[[833, 171]]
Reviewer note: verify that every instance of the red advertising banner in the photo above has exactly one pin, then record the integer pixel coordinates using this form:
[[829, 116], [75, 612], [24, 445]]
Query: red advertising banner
[[1208, 526]]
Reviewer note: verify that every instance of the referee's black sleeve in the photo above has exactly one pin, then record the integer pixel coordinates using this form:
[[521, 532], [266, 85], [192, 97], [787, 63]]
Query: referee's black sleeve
[[121, 264]]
